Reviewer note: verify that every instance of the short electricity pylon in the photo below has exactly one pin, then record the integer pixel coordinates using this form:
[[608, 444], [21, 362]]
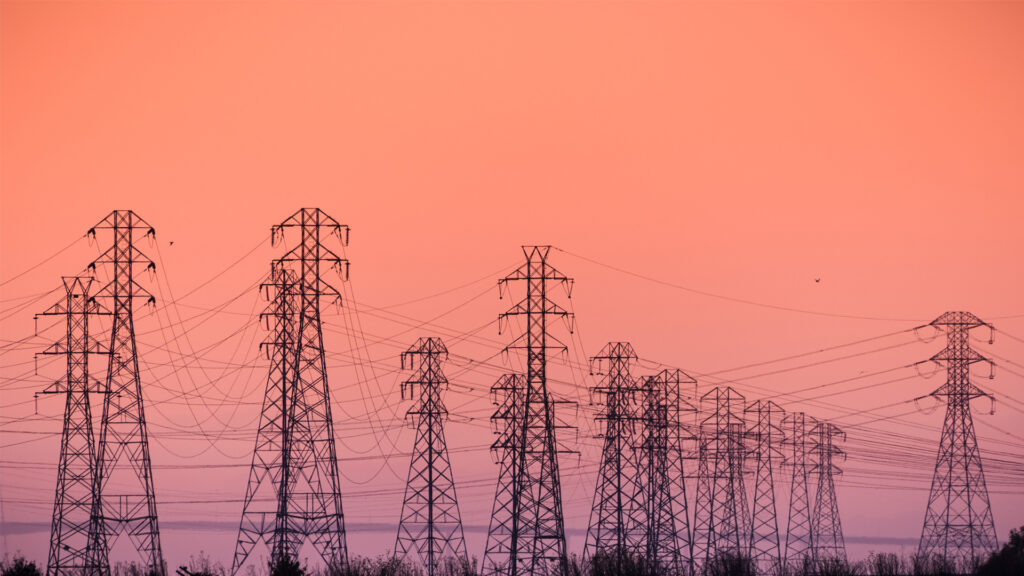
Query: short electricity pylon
[[260, 517], [826, 529], [766, 435], [535, 532], [430, 529], [958, 524], [76, 471], [798, 426], [668, 547], [507, 395], [719, 519], [617, 519], [303, 480], [125, 502]]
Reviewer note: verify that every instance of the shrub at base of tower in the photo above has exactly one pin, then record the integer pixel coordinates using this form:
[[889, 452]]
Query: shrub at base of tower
[[1009, 561]]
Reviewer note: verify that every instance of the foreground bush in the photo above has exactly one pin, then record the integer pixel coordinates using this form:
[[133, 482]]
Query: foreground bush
[[18, 567]]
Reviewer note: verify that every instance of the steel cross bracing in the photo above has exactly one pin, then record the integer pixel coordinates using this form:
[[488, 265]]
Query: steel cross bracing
[[536, 528], [125, 502], [430, 529], [75, 497], [667, 538], [720, 518], [958, 523], [797, 427], [766, 435], [308, 489], [617, 519], [826, 530]]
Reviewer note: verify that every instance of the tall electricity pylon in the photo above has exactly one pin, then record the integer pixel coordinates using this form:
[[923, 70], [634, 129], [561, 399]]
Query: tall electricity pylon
[[431, 527], [536, 529], [617, 519], [76, 471], [826, 529], [958, 523], [303, 479], [668, 547], [719, 520], [766, 434], [125, 501], [797, 426]]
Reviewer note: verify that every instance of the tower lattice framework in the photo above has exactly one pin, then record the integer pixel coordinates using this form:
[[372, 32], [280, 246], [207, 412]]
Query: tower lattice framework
[[531, 539], [431, 526], [76, 471], [958, 523], [618, 518], [766, 434], [720, 518], [668, 544], [295, 462], [797, 427], [826, 528], [125, 501]]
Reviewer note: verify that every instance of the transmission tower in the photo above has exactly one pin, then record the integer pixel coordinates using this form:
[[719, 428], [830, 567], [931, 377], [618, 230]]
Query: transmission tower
[[766, 435], [507, 393], [125, 500], [295, 462], [617, 519], [719, 522], [431, 526], [797, 438], [826, 529], [958, 523], [536, 528], [668, 549], [76, 471]]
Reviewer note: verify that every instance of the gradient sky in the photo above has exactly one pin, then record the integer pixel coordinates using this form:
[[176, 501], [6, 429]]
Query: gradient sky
[[739, 149]]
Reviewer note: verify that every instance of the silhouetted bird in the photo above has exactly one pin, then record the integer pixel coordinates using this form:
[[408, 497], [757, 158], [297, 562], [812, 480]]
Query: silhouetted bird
[[816, 280]]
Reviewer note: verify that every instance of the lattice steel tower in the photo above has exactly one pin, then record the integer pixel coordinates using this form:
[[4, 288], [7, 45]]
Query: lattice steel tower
[[720, 520], [958, 523], [797, 428], [531, 540], [295, 464], [506, 420], [431, 526], [826, 529], [617, 519], [125, 502], [766, 434], [76, 471], [668, 544]]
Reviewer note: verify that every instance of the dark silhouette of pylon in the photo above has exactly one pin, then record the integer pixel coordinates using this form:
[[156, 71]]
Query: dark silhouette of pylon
[[766, 434], [958, 523], [303, 480], [797, 427], [826, 529], [125, 501], [668, 544], [535, 530], [76, 471], [431, 526], [719, 519], [507, 395], [617, 519]]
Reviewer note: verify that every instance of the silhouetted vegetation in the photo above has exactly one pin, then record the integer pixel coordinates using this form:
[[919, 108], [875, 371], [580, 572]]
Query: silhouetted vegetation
[[18, 567], [1008, 561]]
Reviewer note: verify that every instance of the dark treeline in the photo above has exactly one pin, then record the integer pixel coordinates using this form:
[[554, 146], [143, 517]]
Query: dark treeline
[[1008, 561]]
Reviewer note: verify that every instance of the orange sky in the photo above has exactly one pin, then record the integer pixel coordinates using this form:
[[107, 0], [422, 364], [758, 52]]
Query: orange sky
[[742, 149]]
